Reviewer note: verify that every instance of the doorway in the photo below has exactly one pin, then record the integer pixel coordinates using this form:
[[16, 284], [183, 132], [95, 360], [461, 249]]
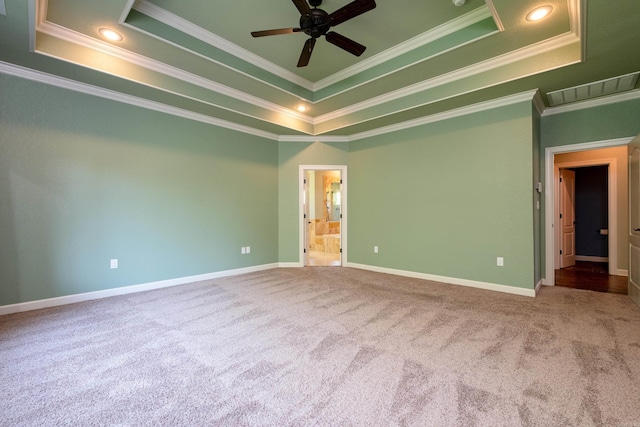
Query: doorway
[[323, 206], [590, 271]]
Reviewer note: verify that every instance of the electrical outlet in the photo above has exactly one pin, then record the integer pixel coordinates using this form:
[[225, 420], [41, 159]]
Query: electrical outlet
[[114, 263], [375, 249], [500, 261], [243, 250], [248, 249]]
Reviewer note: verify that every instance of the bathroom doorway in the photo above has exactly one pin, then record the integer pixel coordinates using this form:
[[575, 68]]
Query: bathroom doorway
[[323, 205]]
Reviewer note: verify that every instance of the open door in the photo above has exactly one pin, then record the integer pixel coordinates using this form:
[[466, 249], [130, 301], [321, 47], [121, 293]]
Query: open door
[[567, 218], [634, 220]]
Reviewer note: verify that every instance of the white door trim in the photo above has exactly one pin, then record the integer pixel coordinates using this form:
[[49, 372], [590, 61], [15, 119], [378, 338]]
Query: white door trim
[[343, 207], [550, 199]]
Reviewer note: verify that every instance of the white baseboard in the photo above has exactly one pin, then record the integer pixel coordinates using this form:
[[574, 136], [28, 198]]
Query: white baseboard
[[449, 280], [87, 296], [290, 265], [620, 272], [592, 258], [539, 286]]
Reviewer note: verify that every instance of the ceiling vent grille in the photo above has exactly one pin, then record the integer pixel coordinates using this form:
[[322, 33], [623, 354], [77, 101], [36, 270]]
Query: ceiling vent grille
[[593, 90]]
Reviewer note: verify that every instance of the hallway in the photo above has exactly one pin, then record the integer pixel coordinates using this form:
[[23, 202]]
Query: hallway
[[591, 276]]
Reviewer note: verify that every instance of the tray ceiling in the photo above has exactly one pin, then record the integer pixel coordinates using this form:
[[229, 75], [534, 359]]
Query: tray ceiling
[[197, 59]]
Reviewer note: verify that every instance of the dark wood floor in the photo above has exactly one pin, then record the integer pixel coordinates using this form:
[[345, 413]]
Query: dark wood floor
[[592, 276]]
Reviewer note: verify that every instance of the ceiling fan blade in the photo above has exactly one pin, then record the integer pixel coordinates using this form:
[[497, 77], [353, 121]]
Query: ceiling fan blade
[[306, 52], [303, 6], [345, 43], [275, 32], [353, 9]]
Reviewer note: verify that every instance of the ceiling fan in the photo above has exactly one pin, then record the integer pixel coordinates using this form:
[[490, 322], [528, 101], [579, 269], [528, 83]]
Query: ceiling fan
[[316, 22]]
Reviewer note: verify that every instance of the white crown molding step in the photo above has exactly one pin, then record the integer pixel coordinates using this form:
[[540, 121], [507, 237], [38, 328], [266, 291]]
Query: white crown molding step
[[38, 76], [55, 30], [540, 48]]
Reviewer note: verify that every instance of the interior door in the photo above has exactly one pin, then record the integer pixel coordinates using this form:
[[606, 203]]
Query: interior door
[[634, 220], [567, 218]]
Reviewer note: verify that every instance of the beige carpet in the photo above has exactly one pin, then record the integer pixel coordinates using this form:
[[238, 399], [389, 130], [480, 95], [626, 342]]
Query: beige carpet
[[324, 346]]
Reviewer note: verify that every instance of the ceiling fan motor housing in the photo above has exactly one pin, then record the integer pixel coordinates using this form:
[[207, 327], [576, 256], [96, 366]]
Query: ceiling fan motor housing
[[315, 24]]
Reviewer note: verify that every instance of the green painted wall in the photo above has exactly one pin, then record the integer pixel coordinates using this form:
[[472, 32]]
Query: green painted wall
[[84, 180], [292, 155], [447, 198]]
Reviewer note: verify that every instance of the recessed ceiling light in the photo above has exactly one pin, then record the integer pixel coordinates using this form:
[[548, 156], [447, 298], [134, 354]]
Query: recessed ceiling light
[[110, 34], [301, 108], [539, 13]]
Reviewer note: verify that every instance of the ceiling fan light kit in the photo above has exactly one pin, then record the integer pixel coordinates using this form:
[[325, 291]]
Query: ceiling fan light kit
[[316, 23]]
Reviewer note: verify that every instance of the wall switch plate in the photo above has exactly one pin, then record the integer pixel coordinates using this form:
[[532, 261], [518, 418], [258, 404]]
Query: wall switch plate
[[114, 263], [375, 249], [500, 261], [248, 249]]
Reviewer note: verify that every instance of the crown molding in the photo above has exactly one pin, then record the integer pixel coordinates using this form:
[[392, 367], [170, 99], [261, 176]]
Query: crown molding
[[481, 67], [578, 23], [436, 33], [595, 102], [64, 83], [125, 11], [538, 102], [530, 95], [147, 8], [494, 14], [445, 115], [3, 8], [74, 37]]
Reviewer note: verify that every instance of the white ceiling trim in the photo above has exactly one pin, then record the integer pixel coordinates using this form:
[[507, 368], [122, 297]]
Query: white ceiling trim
[[578, 22], [125, 12], [187, 27], [71, 36], [445, 115], [61, 82], [64, 83], [591, 103], [494, 13], [3, 8], [481, 67], [413, 43]]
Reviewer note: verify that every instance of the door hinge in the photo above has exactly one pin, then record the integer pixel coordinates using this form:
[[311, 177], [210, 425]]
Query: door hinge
[[340, 250], [560, 215], [560, 179], [305, 216], [340, 181], [305, 251], [340, 216], [560, 251], [304, 180]]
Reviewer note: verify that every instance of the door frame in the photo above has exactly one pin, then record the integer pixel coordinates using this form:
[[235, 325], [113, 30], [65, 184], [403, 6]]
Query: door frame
[[302, 170], [612, 208], [551, 202]]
